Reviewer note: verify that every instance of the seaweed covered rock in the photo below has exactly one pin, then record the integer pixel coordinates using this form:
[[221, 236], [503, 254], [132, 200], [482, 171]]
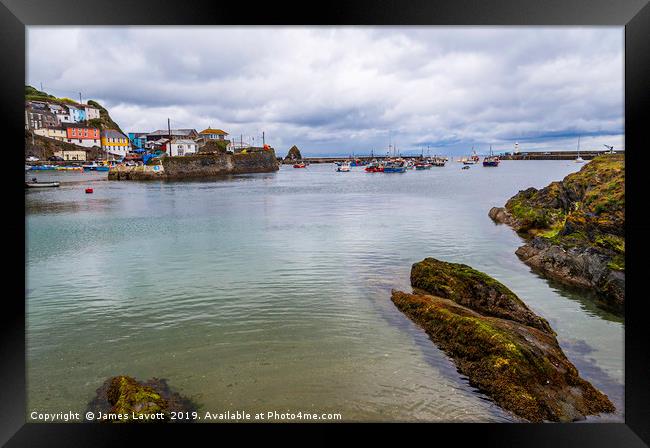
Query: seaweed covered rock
[[576, 228], [135, 400], [511, 356], [473, 289], [293, 155]]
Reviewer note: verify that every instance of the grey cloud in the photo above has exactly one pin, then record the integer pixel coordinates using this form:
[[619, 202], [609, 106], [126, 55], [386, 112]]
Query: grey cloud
[[346, 87]]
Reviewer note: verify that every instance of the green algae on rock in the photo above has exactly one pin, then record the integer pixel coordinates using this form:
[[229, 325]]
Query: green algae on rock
[[469, 287], [575, 228], [498, 343], [134, 400]]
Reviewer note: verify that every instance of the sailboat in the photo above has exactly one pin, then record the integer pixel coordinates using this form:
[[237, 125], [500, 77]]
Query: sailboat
[[579, 159]]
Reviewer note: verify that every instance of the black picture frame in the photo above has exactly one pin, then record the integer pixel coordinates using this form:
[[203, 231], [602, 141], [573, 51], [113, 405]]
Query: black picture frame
[[634, 15]]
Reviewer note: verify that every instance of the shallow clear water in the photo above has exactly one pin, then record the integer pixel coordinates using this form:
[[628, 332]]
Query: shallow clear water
[[272, 291]]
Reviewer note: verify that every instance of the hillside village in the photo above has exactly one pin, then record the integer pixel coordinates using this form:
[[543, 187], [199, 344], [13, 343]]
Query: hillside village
[[74, 131]]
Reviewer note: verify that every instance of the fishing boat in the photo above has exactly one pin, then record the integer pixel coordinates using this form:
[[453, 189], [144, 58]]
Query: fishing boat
[[424, 165], [579, 159], [344, 168], [36, 184], [438, 161], [472, 159], [94, 166], [491, 160], [68, 168], [42, 167], [300, 165], [375, 167], [395, 167]]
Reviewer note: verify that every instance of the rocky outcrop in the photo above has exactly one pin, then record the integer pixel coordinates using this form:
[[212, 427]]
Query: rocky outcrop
[[575, 228], [201, 166], [582, 267], [504, 349], [472, 288], [293, 155], [135, 401]]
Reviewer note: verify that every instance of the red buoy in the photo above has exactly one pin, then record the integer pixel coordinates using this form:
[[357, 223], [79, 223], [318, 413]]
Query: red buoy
[[89, 190]]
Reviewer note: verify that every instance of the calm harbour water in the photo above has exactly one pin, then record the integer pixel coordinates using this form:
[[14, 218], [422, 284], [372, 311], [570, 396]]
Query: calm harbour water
[[271, 292]]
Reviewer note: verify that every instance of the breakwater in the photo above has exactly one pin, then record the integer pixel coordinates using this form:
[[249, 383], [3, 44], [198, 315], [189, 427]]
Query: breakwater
[[552, 155], [200, 165], [556, 155]]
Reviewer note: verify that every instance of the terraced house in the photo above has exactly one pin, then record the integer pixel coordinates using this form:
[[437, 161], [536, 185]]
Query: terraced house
[[81, 135], [38, 115], [114, 142], [57, 133]]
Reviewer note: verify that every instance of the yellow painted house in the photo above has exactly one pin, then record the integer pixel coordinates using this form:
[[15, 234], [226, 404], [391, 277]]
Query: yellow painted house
[[213, 134], [115, 142]]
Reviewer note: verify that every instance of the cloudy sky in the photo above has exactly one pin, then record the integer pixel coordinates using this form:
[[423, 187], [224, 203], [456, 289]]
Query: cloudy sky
[[349, 89]]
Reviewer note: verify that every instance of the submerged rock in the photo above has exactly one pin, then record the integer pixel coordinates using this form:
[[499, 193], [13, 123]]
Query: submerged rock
[[575, 228], [134, 399], [504, 349]]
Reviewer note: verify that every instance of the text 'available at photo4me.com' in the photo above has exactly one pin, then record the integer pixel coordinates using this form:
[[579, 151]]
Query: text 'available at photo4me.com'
[[207, 416]]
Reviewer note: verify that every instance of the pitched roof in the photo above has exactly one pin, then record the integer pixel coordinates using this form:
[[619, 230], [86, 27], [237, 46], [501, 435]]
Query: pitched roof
[[213, 131], [112, 133], [165, 132], [76, 125], [183, 141]]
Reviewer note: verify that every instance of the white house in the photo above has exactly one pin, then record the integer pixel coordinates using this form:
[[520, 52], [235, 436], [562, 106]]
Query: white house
[[182, 147], [91, 112], [61, 112]]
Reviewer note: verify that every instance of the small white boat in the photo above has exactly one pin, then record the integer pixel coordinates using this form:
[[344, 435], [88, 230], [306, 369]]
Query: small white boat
[[36, 184], [344, 168], [579, 159]]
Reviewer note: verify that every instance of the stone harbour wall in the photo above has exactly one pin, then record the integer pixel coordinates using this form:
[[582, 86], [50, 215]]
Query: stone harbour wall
[[200, 165]]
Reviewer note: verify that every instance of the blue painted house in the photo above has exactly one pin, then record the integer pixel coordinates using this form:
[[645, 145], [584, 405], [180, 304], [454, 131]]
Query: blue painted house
[[77, 114], [138, 139]]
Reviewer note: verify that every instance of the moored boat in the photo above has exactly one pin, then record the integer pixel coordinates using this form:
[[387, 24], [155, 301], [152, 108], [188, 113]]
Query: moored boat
[[375, 167], [491, 160], [579, 159], [395, 167], [471, 160], [36, 184], [344, 168], [95, 167], [300, 165]]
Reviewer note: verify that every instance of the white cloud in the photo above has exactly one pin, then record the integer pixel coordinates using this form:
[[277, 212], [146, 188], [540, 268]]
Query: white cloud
[[341, 89]]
